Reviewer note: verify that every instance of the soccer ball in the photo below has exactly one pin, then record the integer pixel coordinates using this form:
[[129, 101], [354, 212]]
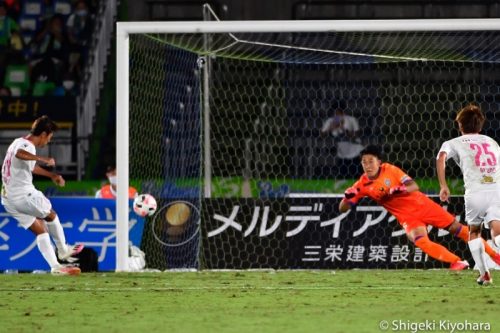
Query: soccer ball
[[144, 205]]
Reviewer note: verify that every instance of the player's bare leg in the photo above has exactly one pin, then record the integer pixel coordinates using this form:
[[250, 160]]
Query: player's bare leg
[[495, 232], [47, 251], [461, 231], [476, 247], [421, 239]]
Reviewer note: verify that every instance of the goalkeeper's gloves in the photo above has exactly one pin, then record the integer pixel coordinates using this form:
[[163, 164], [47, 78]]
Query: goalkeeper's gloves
[[351, 192], [397, 189]]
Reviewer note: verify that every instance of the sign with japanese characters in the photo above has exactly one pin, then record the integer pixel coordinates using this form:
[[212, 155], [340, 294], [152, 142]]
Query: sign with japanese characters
[[85, 221], [303, 233], [27, 109]]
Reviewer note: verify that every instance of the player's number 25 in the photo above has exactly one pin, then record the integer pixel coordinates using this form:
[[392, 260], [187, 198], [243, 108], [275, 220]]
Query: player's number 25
[[483, 149]]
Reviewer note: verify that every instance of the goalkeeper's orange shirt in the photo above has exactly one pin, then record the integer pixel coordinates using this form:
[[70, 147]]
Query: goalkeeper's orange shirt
[[411, 209]]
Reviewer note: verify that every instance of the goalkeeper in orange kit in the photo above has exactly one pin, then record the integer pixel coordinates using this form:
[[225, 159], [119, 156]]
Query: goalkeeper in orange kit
[[393, 189]]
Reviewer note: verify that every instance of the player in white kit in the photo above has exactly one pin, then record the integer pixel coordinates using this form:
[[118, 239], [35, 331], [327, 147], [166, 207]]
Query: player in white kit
[[28, 205], [478, 157]]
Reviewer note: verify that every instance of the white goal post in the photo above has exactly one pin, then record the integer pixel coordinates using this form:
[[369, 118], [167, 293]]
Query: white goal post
[[125, 29]]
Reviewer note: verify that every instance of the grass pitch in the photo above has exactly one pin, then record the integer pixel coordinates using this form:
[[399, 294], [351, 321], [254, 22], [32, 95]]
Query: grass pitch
[[249, 301]]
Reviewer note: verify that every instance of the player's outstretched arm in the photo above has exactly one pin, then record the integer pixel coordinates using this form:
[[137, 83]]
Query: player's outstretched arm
[[344, 206], [27, 156], [346, 203], [412, 186], [408, 187], [444, 192], [57, 179]]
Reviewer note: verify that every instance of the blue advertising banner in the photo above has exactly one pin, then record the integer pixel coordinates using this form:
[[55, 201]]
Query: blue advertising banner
[[85, 221]]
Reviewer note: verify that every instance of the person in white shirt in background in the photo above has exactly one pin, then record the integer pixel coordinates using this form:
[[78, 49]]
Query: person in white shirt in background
[[478, 157], [28, 205], [345, 129]]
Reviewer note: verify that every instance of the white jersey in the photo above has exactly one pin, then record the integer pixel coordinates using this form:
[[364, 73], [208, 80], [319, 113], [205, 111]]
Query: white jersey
[[17, 177], [478, 157], [349, 123], [346, 149]]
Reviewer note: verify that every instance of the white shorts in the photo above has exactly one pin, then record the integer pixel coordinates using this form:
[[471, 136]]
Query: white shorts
[[28, 207], [482, 207]]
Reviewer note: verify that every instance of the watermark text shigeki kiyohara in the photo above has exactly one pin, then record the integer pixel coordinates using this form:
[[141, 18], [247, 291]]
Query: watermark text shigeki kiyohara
[[443, 325]]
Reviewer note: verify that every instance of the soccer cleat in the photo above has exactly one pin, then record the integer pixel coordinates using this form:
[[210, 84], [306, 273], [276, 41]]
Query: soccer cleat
[[485, 279], [459, 265], [65, 270], [496, 258], [72, 251]]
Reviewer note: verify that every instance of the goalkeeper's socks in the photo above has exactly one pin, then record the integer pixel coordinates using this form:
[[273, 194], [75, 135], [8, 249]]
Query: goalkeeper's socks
[[463, 234], [488, 249], [435, 250], [476, 247]]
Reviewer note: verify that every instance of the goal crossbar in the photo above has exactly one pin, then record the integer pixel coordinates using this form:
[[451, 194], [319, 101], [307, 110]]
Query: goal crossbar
[[124, 28]]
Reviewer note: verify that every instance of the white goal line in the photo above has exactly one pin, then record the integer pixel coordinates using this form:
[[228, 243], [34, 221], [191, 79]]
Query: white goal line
[[232, 288]]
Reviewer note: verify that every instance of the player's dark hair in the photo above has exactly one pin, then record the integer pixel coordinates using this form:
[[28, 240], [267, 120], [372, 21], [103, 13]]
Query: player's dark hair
[[372, 150], [43, 124], [471, 118]]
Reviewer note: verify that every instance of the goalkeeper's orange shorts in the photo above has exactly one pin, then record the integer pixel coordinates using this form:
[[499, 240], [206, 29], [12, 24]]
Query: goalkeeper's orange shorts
[[430, 214]]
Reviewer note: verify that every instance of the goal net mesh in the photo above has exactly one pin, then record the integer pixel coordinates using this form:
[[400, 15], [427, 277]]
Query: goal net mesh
[[269, 96]]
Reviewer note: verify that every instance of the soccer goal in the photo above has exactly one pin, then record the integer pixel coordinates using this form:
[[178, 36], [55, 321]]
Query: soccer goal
[[224, 124]]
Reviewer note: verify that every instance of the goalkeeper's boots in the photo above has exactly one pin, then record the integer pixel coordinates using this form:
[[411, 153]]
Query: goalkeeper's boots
[[485, 279], [459, 265], [65, 270], [72, 250]]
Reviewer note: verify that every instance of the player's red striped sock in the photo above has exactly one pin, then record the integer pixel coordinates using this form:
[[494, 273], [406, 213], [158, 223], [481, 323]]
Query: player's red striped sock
[[435, 250]]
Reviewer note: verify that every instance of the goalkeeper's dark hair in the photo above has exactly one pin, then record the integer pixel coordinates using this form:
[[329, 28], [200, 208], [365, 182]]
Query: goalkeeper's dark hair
[[372, 150], [471, 118], [43, 124]]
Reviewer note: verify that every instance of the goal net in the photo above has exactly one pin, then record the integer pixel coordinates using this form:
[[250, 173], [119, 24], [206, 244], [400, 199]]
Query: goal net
[[233, 127]]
